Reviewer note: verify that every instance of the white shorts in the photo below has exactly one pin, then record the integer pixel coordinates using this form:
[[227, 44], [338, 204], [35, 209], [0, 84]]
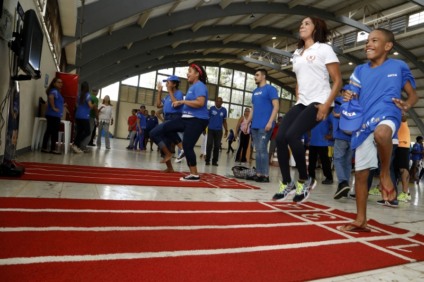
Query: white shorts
[[366, 153]]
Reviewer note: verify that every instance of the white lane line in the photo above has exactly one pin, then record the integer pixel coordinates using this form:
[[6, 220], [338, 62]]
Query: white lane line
[[149, 228], [164, 254]]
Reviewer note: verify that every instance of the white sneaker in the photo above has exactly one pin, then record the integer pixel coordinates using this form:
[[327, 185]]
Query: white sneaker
[[180, 157], [76, 149]]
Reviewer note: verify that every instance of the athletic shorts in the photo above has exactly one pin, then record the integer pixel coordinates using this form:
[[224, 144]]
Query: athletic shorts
[[402, 158], [366, 153]]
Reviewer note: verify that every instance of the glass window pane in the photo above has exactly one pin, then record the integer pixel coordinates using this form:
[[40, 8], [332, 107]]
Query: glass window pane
[[160, 79], [212, 73], [239, 79], [181, 72], [224, 93], [111, 90], [235, 111], [131, 81], [250, 83], [277, 87], [237, 97], [167, 72], [286, 94], [247, 99], [147, 80], [226, 77], [210, 103]]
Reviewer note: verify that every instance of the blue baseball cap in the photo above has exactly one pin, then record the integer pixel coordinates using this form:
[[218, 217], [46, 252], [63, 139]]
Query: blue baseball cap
[[172, 78], [351, 116]]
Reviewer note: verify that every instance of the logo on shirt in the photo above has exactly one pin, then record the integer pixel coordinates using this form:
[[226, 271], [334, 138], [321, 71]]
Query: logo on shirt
[[310, 58], [257, 93], [392, 75]]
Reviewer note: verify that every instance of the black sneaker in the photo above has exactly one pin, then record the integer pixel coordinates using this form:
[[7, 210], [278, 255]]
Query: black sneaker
[[262, 179], [342, 190], [190, 177], [387, 203], [207, 163], [303, 190], [284, 191], [215, 164], [327, 181]]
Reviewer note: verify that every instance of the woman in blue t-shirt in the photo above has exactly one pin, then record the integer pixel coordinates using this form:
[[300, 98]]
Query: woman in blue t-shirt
[[82, 117], [55, 104], [193, 122]]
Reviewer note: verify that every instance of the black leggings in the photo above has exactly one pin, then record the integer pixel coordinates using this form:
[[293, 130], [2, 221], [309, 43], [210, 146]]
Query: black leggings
[[299, 120], [52, 132]]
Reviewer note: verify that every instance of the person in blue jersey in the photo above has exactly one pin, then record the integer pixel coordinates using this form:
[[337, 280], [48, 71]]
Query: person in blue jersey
[[264, 111], [217, 120], [193, 121], [342, 153], [381, 82], [82, 117], [169, 112], [321, 138], [140, 129], [314, 63], [54, 112]]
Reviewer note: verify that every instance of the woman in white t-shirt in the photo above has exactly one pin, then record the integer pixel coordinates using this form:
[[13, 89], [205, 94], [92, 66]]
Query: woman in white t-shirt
[[314, 63], [105, 119]]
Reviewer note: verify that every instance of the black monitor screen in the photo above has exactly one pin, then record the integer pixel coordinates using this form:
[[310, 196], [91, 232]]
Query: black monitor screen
[[32, 44]]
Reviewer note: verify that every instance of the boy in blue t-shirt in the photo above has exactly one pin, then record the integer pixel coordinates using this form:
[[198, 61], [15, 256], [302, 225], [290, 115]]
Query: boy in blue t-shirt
[[381, 81]]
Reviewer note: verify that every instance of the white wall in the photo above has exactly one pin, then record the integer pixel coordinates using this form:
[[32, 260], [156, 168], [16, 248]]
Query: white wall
[[30, 90]]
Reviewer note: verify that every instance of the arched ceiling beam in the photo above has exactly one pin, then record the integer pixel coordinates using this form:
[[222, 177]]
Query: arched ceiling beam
[[421, 3], [141, 47], [105, 44], [101, 14], [169, 51]]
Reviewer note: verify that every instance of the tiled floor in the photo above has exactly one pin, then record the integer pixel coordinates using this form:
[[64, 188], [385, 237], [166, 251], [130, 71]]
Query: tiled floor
[[409, 216]]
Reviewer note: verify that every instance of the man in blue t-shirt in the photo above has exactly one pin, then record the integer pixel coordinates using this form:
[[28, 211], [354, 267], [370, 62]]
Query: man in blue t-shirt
[[263, 114], [217, 120], [417, 154]]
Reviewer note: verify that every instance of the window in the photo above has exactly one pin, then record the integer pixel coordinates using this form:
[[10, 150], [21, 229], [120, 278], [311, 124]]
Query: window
[[239, 79], [212, 73], [248, 99], [167, 72], [250, 83], [111, 90], [147, 80], [226, 77], [237, 97], [362, 36], [161, 78], [131, 81], [416, 19], [234, 111], [224, 93], [181, 72]]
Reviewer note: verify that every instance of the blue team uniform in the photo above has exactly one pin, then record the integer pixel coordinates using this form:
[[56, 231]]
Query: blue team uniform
[[378, 86], [198, 89], [262, 101], [216, 117]]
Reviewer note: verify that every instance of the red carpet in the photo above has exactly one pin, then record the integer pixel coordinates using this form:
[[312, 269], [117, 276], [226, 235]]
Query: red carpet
[[124, 176], [98, 240]]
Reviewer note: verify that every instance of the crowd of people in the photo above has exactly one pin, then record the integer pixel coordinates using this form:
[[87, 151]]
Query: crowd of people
[[379, 142]]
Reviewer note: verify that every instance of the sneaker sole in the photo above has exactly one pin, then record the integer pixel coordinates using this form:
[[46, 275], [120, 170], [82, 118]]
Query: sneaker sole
[[282, 199], [387, 204], [189, 180], [342, 193]]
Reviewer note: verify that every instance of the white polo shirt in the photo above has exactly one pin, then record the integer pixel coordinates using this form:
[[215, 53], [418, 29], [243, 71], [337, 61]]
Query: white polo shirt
[[313, 79]]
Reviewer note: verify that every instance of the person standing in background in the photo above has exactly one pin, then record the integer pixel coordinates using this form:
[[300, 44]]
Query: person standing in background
[[243, 132], [314, 63], [132, 128], [94, 120], [401, 161], [264, 111], [54, 112], [217, 120], [82, 117], [105, 119]]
